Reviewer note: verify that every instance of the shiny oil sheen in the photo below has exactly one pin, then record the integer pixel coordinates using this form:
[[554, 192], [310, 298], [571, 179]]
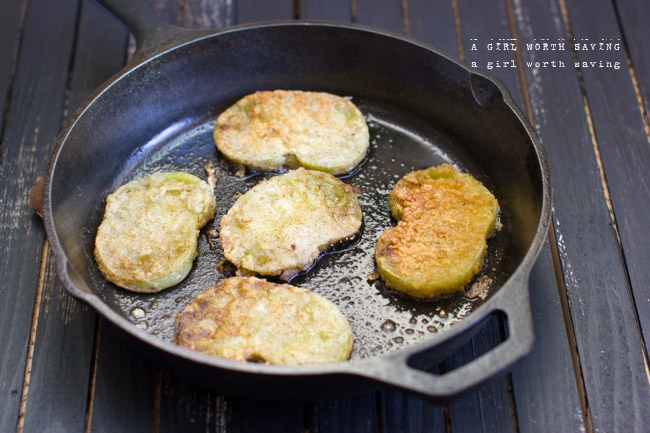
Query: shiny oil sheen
[[382, 320]]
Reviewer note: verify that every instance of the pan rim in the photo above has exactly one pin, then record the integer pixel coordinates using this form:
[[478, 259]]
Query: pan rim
[[187, 37]]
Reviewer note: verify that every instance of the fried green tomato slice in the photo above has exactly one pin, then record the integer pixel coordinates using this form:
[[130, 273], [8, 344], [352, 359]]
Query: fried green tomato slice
[[271, 130], [439, 243], [148, 238], [251, 319], [280, 226]]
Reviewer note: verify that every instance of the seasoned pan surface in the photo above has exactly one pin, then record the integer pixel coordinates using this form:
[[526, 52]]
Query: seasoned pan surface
[[382, 319], [423, 108]]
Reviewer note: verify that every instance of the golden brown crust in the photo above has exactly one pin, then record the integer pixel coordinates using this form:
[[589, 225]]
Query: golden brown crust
[[250, 319], [271, 130], [148, 237], [281, 225], [439, 243]]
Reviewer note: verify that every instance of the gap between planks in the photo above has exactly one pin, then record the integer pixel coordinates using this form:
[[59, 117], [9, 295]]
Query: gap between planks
[[92, 380], [596, 146], [633, 76], [38, 297], [555, 256], [12, 75]]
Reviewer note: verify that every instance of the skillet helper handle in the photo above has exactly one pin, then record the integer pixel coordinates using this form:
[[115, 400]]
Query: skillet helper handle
[[402, 373], [150, 31]]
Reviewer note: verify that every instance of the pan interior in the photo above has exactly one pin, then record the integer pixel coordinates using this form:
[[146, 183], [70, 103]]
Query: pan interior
[[422, 108], [382, 320]]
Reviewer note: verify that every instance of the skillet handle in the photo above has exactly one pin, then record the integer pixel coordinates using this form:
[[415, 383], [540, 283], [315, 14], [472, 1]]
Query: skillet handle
[[151, 32], [402, 370]]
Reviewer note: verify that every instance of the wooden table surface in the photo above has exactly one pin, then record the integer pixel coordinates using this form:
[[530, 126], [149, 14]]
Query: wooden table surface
[[64, 369]]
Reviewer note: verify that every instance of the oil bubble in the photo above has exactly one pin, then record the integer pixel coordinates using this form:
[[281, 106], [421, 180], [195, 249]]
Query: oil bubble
[[388, 326]]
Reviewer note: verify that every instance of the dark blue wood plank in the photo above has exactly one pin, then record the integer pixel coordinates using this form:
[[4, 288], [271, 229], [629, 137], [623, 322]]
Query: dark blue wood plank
[[269, 416], [333, 10], [488, 408], [32, 113], [624, 153], [401, 412], [10, 26], [11, 23], [384, 14], [63, 344], [248, 11], [620, 132], [356, 414], [184, 407], [484, 25], [593, 269], [544, 383], [633, 17], [433, 23], [123, 396]]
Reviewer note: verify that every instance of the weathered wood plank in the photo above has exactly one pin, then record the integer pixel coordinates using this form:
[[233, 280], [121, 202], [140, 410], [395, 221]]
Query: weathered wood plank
[[248, 11], [623, 149], [63, 344], [184, 407], [270, 416], [401, 412], [433, 23], [384, 14], [357, 414], [633, 16], [551, 387], [11, 21], [602, 311], [484, 25], [488, 408], [32, 122], [544, 383], [123, 396], [622, 139], [65, 333], [333, 10]]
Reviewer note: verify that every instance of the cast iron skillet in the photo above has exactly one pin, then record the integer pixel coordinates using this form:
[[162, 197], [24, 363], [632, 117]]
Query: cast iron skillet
[[423, 107]]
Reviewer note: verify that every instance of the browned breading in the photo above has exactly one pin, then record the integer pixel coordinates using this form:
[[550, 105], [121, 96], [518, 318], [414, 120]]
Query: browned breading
[[250, 319], [270, 130], [439, 243], [148, 238], [281, 225]]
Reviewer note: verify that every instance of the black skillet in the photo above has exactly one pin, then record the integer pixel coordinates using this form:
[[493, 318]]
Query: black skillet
[[423, 107]]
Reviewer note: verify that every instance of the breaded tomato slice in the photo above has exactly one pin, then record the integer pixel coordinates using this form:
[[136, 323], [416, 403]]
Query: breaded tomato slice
[[148, 238], [271, 130], [280, 226], [251, 319], [439, 243]]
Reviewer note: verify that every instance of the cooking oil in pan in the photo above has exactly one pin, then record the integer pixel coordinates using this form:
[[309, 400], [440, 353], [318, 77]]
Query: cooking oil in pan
[[382, 320]]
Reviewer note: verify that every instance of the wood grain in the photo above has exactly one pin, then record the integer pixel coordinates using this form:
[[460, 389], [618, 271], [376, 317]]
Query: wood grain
[[632, 16], [74, 372], [333, 10], [622, 147], [551, 355], [33, 113], [602, 310]]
